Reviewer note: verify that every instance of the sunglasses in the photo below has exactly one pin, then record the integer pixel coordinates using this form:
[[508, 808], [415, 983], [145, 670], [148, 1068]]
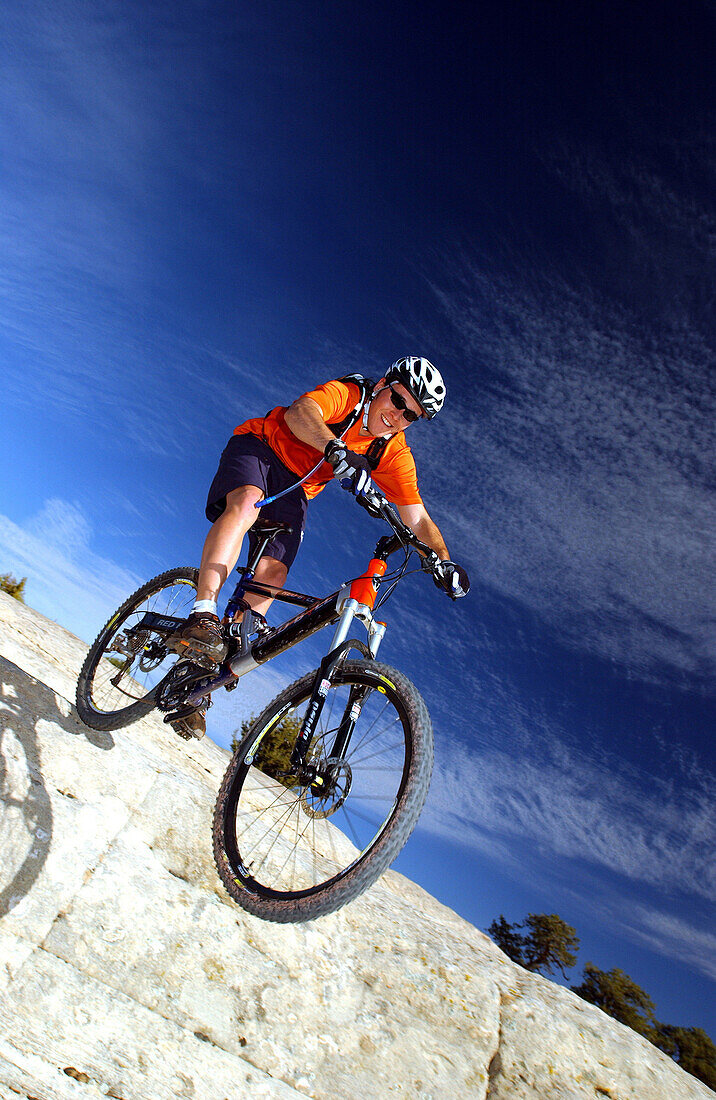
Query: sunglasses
[[400, 403]]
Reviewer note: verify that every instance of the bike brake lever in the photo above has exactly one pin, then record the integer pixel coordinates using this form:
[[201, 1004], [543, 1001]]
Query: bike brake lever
[[429, 562], [372, 502]]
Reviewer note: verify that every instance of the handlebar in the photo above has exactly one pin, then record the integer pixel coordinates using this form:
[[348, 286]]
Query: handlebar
[[377, 505]]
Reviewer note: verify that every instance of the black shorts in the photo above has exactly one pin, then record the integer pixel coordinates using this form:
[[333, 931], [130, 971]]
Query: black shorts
[[247, 460]]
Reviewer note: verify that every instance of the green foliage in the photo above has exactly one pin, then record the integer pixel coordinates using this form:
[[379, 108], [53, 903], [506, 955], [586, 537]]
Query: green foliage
[[691, 1048], [508, 939], [273, 756], [14, 588], [549, 942], [618, 995]]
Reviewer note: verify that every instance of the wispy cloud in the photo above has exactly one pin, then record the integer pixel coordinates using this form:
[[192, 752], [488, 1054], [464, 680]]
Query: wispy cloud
[[588, 811], [582, 463], [673, 937], [638, 196], [67, 580]]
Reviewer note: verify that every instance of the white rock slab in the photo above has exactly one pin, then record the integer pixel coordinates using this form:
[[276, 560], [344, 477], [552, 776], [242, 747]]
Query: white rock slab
[[125, 970]]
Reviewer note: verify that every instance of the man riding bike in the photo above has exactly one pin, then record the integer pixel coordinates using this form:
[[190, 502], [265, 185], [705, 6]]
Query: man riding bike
[[359, 428]]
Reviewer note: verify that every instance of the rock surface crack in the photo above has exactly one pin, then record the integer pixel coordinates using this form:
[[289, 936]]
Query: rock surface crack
[[494, 1068]]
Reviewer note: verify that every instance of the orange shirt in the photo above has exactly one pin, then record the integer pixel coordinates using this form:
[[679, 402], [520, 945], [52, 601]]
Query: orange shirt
[[395, 477]]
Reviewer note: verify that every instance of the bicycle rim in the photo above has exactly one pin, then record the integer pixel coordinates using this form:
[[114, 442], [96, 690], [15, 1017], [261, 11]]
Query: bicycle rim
[[127, 664], [288, 841]]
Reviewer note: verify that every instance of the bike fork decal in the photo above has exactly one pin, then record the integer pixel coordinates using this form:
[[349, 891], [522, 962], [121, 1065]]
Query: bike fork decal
[[309, 722]]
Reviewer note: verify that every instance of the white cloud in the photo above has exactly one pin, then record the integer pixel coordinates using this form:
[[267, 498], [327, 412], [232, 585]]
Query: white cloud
[[66, 579], [568, 808], [580, 461], [673, 937]]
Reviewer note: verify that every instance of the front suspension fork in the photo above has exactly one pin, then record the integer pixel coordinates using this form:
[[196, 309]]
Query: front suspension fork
[[341, 645]]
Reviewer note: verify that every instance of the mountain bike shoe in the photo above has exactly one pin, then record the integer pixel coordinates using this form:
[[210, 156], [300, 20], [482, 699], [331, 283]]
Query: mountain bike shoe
[[188, 723], [200, 638]]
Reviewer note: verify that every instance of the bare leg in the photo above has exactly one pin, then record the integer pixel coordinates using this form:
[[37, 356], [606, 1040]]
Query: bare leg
[[269, 571], [223, 543]]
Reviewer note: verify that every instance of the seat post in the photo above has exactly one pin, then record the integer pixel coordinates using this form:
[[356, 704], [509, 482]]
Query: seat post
[[263, 531], [262, 541]]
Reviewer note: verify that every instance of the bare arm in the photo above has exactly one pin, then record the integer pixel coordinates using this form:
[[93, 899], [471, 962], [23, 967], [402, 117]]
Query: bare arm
[[305, 419], [420, 523]]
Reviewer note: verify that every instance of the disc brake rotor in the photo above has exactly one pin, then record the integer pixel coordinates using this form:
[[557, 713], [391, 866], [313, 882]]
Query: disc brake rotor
[[329, 789]]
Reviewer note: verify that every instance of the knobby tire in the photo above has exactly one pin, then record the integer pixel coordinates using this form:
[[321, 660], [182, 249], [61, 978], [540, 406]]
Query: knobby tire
[[87, 707], [275, 901]]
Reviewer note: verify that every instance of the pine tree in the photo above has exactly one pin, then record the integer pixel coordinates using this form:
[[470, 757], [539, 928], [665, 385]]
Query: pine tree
[[508, 939], [691, 1048], [549, 942], [273, 756], [619, 996], [14, 588]]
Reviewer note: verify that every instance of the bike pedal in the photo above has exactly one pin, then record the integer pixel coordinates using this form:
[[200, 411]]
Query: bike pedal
[[189, 726], [190, 652]]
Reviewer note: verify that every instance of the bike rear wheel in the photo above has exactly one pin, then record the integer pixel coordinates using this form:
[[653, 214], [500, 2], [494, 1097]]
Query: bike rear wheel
[[127, 663], [290, 850]]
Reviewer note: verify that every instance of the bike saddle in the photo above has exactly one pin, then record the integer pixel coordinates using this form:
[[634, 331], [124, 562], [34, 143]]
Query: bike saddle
[[269, 527]]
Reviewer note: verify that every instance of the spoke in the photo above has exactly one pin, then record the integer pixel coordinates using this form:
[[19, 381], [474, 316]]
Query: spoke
[[364, 736], [327, 725], [313, 850], [256, 814], [275, 828], [349, 823], [270, 848], [378, 752], [392, 768], [372, 821], [365, 740], [295, 855], [371, 798], [379, 715], [329, 834], [292, 851]]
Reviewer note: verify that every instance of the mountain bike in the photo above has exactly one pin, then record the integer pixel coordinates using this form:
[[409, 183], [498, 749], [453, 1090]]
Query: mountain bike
[[328, 782]]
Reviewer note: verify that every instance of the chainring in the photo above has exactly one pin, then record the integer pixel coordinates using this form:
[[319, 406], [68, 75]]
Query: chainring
[[185, 677]]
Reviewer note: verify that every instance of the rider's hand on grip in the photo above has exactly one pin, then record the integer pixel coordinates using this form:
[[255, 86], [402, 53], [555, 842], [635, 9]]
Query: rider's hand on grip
[[372, 501], [350, 469], [452, 579]]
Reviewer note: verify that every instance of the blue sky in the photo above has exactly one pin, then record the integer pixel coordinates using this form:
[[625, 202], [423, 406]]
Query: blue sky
[[207, 209]]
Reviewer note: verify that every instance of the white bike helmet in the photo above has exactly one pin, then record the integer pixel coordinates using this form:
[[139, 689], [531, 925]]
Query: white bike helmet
[[422, 380]]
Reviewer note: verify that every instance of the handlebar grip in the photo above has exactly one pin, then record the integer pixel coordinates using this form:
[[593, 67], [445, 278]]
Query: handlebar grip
[[372, 501]]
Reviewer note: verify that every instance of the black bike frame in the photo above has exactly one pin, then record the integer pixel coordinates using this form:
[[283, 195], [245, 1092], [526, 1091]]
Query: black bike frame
[[317, 614], [340, 607]]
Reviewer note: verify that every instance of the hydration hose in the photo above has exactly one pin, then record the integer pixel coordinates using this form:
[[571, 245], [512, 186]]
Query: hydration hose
[[297, 484]]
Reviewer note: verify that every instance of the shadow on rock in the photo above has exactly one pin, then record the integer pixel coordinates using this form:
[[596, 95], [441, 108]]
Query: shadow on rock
[[26, 824]]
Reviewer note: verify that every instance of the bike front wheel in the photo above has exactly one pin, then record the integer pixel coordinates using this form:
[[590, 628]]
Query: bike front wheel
[[292, 848], [129, 659]]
